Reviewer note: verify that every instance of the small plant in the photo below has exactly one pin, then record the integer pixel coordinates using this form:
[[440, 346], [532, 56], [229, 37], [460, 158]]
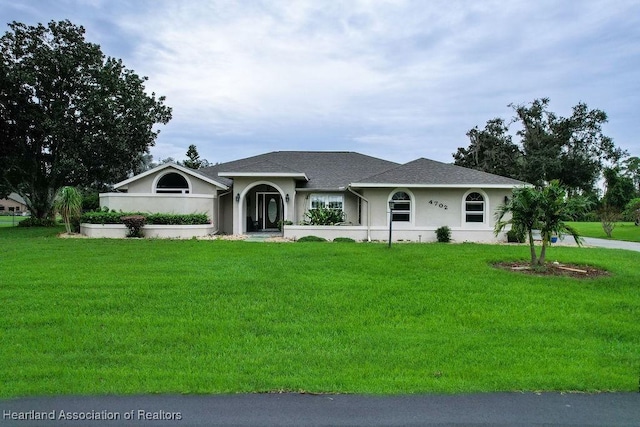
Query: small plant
[[608, 217], [283, 223], [515, 236], [443, 234], [312, 239], [134, 223], [68, 203], [344, 240], [324, 216]]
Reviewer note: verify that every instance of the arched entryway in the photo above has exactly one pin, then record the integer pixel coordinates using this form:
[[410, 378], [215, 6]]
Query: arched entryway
[[262, 208]]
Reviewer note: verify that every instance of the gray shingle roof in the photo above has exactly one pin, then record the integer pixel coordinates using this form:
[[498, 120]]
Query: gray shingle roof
[[324, 169], [430, 172]]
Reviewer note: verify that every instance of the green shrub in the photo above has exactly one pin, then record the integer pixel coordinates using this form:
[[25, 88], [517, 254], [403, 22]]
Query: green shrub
[[134, 223], [312, 239], [344, 240], [443, 234], [323, 216], [177, 219], [36, 222], [514, 236], [106, 217]]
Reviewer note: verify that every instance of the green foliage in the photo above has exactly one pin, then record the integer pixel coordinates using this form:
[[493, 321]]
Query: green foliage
[[90, 200], [68, 204], [107, 217], [632, 210], [70, 115], [37, 222], [572, 150], [282, 223], [323, 216], [515, 236], [443, 234], [343, 240], [609, 215], [176, 219], [620, 189], [311, 239], [543, 209], [134, 223]]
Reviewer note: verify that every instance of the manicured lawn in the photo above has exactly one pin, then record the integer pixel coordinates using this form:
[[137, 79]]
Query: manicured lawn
[[84, 316], [626, 231], [9, 221]]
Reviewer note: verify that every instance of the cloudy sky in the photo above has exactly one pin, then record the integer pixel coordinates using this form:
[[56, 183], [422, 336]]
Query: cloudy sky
[[389, 78]]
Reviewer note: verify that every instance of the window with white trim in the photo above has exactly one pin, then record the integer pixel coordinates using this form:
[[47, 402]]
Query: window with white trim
[[474, 207], [329, 201], [172, 183], [401, 207]]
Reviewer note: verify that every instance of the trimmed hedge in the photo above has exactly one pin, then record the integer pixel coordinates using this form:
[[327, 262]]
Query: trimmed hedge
[[103, 217]]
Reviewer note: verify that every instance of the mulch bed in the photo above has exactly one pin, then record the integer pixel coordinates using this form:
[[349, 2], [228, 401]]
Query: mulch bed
[[554, 269]]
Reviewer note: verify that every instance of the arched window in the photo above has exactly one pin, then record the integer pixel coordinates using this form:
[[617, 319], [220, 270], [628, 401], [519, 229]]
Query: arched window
[[474, 207], [401, 207], [172, 183]]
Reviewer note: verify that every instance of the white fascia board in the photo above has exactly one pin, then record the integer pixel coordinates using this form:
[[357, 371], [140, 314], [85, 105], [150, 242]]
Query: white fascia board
[[158, 168], [400, 185], [264, 175]]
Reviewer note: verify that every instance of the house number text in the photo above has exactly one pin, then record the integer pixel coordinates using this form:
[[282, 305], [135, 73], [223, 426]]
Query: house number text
[[438, 204]]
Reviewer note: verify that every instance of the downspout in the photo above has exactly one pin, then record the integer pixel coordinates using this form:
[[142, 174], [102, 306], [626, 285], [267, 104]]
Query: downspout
[[368, 212], [218, 223]]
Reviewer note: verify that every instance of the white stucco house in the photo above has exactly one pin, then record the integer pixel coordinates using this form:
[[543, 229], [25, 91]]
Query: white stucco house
[[257, 193]]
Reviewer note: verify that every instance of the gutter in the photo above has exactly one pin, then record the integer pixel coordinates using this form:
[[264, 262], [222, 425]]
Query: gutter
[[368, 212]]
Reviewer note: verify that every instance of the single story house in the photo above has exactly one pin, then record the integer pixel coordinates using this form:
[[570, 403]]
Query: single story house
[[13, 204], [262, 192]]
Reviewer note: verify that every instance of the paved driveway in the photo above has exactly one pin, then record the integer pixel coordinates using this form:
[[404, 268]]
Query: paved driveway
[[494, 409], [611, 244]]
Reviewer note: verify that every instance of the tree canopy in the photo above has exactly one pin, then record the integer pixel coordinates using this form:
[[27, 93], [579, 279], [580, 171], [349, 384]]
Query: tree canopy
[[68, 114], [572, 149]]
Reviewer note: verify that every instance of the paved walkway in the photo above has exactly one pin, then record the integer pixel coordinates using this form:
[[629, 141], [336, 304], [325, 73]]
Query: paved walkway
[[288, 409], [611, 244]]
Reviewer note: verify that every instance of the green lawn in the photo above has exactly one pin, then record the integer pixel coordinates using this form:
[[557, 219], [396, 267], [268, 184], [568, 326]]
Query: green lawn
[[9, 221], [83, 316], [623, 231]]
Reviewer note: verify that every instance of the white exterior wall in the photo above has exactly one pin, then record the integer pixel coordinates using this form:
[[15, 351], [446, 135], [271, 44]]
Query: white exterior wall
[[160, 203], [446, 209], [147, 184]]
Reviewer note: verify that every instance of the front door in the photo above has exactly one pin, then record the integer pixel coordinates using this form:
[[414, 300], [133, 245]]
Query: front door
[[269, 210]]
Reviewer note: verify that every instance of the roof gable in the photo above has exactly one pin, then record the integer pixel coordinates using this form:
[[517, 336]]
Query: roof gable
[[191, 172]]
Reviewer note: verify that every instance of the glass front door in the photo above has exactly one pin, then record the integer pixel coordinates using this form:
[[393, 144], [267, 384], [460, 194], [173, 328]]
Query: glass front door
[[269, 210]]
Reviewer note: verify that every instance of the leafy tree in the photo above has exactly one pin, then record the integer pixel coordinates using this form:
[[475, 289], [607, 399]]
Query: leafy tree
[[68, 203], [632, 170], [632, 210], [573, 150], [491, 150], [193, 160], [68, 114], [619, 189], [543, 209]]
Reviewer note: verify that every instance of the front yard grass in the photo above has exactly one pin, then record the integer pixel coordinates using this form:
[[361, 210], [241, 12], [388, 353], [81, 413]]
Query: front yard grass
[[85, 316], [626, 231]]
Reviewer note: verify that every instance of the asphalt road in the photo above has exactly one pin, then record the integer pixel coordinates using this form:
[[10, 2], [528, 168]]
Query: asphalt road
[[288, 409]]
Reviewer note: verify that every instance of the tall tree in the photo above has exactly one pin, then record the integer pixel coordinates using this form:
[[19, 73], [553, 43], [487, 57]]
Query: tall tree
[[491, 150], [573, 150], [68, 114], [620, 189], [193, 158]]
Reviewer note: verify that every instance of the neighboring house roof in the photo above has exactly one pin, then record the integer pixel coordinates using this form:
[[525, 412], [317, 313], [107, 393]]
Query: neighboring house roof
[[323, 170], [192, 172], [16, 198], [430, 173]]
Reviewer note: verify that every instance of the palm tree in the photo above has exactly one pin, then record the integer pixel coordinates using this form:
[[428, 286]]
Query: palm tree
[[544, 209], [524, 207], [68, 203]]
